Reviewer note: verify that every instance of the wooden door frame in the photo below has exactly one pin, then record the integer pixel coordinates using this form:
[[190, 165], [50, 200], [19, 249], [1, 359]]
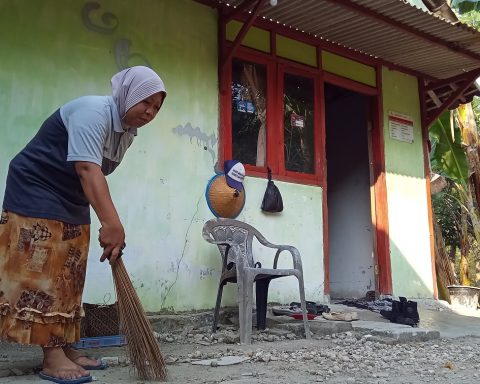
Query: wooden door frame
[[379, 206]]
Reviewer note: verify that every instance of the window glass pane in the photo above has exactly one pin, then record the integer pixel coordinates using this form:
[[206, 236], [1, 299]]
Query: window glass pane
[[298, 119], [249, 113]]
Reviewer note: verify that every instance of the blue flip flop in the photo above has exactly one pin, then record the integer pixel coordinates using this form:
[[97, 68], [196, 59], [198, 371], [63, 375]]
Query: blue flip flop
[[84, 379], [103, 365]]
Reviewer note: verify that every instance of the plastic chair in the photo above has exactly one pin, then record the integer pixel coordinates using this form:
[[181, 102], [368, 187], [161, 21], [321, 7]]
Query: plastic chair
[[234, 240]]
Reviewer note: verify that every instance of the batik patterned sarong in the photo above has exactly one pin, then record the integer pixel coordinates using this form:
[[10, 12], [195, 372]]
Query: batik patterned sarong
[[42, 274]]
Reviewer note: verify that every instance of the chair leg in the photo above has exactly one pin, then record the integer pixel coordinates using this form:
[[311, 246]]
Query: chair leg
[[217, 307], [304, 307], [248, 289], [261, 291], [241, 309], [245, 301]]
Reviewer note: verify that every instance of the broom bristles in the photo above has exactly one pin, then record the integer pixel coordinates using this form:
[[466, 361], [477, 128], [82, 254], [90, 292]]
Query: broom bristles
[[142, 347]]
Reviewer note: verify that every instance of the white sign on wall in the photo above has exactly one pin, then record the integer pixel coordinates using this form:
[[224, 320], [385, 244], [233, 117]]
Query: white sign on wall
[[400, 127]]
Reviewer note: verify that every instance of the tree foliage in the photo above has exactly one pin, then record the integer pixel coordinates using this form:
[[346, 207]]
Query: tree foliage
[[447, 156]]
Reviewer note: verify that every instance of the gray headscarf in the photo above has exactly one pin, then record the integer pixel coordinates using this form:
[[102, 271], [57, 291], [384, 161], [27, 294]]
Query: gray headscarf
[[133, 85]]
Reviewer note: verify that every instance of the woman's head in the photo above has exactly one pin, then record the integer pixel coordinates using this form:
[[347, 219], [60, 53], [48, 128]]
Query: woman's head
[[138, 93]]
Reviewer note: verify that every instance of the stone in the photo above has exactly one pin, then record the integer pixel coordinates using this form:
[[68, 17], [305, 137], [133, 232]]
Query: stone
[[225, 360], [17, 372], [111, 361], [5, 372]]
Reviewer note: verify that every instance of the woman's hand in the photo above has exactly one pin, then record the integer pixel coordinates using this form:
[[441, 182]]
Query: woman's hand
[[112, 240]]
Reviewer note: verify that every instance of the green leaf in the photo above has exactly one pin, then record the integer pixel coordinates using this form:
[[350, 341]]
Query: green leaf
[[464, 6], [447, 156]]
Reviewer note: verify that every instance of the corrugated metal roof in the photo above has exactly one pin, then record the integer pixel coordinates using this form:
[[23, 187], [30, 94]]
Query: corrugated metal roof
[[392, 30]]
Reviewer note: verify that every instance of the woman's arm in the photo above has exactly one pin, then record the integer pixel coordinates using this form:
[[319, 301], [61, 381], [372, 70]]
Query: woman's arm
[[95, 187]]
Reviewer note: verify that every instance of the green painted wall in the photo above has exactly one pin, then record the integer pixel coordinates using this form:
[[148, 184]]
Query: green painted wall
[[50, 55], [406, 192], [348, 68], [255, 38], [296, 51]]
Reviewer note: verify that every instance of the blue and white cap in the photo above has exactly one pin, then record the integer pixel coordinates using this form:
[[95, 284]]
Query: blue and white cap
[[234, 174]]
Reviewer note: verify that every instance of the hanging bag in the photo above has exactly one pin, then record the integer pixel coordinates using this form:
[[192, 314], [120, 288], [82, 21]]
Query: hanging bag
[[272, 200]]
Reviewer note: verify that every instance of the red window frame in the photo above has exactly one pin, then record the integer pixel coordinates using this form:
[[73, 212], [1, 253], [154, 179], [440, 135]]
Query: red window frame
[[308, 178], [226, 113], [275, 68]]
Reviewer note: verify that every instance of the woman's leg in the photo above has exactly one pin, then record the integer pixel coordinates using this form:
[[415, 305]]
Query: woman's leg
[[57, 364], [42, 272]]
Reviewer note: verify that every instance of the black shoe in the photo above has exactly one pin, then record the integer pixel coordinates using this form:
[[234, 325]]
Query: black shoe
[[411, 311], [404, 312], [312, 307], [386, 314], [405, 321]]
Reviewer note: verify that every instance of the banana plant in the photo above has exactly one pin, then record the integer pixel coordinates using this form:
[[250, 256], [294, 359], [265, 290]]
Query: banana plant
[[452, 141], [447, 156], [455, 154]]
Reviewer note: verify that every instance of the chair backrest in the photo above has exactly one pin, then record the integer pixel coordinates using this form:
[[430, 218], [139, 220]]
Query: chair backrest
[[234, 231]]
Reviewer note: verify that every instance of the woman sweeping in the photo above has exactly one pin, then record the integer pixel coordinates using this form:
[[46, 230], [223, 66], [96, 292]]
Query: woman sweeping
[[45, 221]]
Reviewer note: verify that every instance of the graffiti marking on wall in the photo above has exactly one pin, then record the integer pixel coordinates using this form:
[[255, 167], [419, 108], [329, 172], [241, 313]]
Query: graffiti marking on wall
[[208, 141], [207, 272], [123, 55], [122, 46], [108, 18]]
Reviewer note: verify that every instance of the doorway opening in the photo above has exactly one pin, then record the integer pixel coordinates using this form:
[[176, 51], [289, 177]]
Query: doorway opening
[[351, 249]]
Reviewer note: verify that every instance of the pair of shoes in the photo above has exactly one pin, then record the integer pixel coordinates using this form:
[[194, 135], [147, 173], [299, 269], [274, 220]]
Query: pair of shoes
[[341, 316], [403, 312], [286, 310], [312, 307], [83, 379]]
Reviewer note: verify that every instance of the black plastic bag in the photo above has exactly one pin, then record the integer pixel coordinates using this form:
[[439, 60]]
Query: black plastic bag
[[272, 200]]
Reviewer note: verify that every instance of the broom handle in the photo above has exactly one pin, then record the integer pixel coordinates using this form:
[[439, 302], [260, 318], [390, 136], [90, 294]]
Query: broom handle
[[120, 253]]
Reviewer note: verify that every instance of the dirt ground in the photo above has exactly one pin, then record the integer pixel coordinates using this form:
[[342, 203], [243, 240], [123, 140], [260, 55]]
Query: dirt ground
[[349, 357], [452, 368]]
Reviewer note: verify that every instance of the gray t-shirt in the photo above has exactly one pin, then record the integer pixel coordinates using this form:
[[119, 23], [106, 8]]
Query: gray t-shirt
[[42, 181], [95, 132]]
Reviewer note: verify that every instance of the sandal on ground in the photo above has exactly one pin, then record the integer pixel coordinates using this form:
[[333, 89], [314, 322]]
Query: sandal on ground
[[312, 307], [83, 379], [341, 316], [100, 367], [285, 310], [103, 365]]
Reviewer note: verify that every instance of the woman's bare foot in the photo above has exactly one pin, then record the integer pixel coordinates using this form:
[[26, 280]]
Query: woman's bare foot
[[79, 359], [57, 364]]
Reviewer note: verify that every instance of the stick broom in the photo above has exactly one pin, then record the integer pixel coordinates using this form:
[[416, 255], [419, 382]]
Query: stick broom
[[142, 347]]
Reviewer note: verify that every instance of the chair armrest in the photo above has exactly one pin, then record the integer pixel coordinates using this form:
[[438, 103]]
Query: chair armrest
[[266, 243], [297, 260]]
